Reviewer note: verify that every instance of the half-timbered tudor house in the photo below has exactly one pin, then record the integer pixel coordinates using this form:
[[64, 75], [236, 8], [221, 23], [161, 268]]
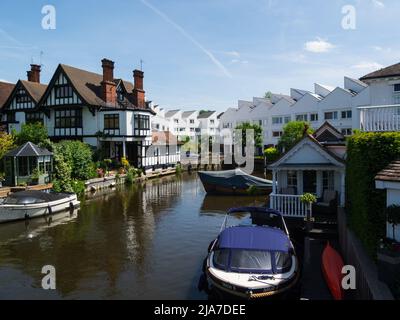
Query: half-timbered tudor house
[[98, 109]]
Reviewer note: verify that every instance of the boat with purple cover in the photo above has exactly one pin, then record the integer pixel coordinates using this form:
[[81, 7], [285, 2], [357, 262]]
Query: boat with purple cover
[[255, 259]]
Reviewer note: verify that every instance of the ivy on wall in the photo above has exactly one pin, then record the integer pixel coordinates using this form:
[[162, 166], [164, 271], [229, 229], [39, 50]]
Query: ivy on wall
[[367, 154]]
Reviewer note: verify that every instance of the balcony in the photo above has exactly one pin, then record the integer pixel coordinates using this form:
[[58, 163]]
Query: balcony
[[380, 118], [288, 205]]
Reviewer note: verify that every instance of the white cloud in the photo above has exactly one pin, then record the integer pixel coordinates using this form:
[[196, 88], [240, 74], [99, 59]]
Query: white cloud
[[232, 53], [367, 66], [319, 46], [378, 4]]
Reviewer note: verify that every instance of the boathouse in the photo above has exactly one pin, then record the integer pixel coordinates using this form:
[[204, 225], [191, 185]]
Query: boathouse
[[316, 165]]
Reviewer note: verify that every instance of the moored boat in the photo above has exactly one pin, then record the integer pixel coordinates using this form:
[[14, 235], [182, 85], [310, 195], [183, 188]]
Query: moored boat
[[332, 265], [31, 204], [254, 260], [234, 182]]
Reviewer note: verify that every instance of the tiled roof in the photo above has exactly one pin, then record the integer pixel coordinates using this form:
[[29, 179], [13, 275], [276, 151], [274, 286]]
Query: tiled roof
[[171, 113], [5, 91], [391, 71], [186, 114], [390, 173], [28, 150], [36, 90]]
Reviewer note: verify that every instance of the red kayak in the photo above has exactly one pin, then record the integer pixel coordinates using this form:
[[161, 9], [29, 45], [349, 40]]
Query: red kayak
[[332, 264]]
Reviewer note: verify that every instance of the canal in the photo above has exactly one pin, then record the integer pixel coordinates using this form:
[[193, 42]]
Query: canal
[[141, 242]]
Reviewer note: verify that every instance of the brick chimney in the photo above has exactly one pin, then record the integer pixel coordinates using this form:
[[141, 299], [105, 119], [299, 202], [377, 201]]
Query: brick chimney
[[138, 92], [34, 73], [109, 88]]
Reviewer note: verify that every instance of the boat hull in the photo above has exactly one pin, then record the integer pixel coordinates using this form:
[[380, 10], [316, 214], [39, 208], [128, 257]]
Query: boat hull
[[216, 189], [224, 289], [9, 213], [332, 264]]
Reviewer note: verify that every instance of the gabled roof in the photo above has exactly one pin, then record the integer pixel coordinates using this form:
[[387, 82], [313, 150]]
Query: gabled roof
[[391, 71], [28, 150], [171, 113], [5, 91], [88, 86], [359, 82], [205, 115], [36, 90], [328, 134], [187, 114], [391, 173]]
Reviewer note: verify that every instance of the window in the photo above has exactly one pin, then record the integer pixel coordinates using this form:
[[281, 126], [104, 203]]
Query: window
[[142, 122], [302, 117], [346, 114], [11, 117], [68, 118], [277, 134], [63, 91], [212, 121], [277, 120], [34, 117], [120, 94], [191, 121], [292, 179], [287, 119], [314, 117], [333, 115], [176, 120], [192, 129], [328, 180], [397, 87], [111, 121], [347, 131], [21, 96]]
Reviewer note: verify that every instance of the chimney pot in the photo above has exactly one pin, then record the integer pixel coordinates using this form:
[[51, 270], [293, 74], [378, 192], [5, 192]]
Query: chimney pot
[[34, 73]]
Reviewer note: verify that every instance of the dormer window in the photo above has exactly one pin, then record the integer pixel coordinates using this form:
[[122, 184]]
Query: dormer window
[[63, 91], [21, 96], [120, 94]]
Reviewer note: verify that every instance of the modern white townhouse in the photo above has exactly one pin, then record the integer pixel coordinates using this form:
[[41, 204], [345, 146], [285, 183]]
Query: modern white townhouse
[[209, 123], [369, 103], [98, 109]]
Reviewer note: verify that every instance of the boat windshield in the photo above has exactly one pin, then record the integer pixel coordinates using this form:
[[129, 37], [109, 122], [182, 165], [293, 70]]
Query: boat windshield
[[252, 261], [23, 200]]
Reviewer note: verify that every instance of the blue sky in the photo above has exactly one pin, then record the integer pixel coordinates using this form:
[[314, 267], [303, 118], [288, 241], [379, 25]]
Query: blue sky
[[204, 53]]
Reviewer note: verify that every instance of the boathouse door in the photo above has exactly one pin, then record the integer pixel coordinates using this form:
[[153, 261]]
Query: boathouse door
[[309, 181]]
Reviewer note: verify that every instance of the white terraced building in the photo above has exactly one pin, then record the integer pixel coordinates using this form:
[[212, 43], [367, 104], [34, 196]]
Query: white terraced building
[[371, 103], [186, 123]]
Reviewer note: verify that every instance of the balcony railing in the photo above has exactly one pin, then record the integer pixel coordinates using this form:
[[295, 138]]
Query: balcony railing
[[380, 118], [288, 205]]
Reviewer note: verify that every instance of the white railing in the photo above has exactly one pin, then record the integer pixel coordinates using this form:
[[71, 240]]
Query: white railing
[[380, 118], [288, 205]]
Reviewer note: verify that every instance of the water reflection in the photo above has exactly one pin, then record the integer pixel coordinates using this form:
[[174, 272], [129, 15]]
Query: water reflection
[[141, 242]]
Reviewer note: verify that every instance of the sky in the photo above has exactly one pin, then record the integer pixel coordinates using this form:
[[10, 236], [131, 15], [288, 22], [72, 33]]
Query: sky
[[204, 54]]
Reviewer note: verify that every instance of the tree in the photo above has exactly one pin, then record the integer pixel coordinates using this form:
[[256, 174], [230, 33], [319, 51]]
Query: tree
[[78, 156], [32, 132], [257, 129], [271, 154], [268, 95], [7, 143], [293, 132]]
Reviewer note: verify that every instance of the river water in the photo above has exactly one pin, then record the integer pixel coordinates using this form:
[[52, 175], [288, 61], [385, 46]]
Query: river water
[[141, 242]]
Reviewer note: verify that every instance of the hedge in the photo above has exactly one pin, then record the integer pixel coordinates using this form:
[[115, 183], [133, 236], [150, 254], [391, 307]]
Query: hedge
[[367, 154]]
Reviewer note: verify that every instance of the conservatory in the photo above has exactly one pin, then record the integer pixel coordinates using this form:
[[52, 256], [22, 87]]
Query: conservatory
[[28, 165]]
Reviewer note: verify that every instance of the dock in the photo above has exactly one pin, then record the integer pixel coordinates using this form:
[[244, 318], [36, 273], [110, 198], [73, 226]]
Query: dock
[[42, 187]]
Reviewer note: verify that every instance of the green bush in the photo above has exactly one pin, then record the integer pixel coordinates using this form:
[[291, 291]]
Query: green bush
[[32, 132], [131, 175], [78, 156], [367, 154], [78, 187]]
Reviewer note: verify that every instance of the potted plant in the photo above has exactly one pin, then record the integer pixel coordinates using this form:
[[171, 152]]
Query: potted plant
[[309, 199], [35, 176]]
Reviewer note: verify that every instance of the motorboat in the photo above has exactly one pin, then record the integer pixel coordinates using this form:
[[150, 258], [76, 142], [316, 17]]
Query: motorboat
[[252, 260], [31, 204], [234, 182]]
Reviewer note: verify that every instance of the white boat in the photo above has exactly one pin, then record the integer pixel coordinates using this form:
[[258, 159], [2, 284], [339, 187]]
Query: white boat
[[32, 204], [252, 260]]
